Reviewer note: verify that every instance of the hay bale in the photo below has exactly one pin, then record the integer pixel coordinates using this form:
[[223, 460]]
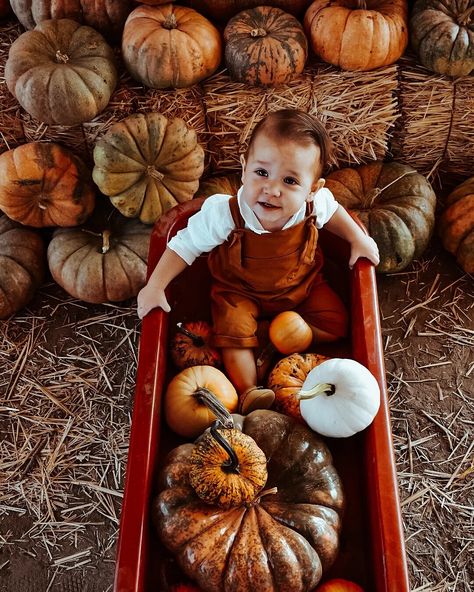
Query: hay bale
[[358, 108], [435, 133]]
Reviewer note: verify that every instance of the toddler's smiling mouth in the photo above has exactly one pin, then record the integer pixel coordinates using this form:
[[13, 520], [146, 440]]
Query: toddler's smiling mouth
[[266, 205]]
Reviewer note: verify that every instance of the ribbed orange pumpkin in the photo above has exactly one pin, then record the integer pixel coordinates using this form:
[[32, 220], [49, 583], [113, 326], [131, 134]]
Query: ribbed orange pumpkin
[[43, 184], [22, 265], [287, 378], [61, 72], [265, 46], [106, 16], [170, 46], [358, 34], [456, 225]]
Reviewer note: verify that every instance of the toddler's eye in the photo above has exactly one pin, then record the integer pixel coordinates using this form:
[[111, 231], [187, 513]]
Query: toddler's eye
[[290, 181], [261, 173]]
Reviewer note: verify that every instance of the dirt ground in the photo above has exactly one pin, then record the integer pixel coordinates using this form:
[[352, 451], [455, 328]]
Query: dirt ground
[[66, 391]]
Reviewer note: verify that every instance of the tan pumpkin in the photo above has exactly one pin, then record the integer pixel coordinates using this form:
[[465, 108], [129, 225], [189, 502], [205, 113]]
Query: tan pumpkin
[[287, 378], [187, 406], [22, 265], [227, 468], [358, 34], [101, 263], [265, 46], [292, 533], [190, 346], [61, 72], [394, 202], [225, 184], [147, 164], [442, 34], [290, 333], [44, 184], [170, 46], [456, 224], [106, 16]]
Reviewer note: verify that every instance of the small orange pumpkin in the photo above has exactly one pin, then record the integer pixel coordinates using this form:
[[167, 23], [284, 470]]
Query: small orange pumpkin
[[287, 378], [43, 184], [290, 333], [186, 412], [190, 346]]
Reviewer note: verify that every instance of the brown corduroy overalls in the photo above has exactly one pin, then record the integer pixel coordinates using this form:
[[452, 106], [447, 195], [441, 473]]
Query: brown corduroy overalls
[[259, 275]]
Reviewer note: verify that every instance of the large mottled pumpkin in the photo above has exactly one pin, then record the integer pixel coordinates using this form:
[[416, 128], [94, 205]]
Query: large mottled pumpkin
[[456, 225], [394, 202], [226, 184], [101, 263], [223, 10], [106, 16], [61, 72], [22, 265], [358, 34], [44, 184], [287, 378], [170, 46], [283, 540], [265, 46], [442, 34], [147, 164]]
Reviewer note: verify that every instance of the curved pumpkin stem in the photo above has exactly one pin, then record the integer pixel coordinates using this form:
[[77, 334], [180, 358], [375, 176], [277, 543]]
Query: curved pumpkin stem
[[207, 398], [324, 388], [197, 340], [231, 465], [106, 241]]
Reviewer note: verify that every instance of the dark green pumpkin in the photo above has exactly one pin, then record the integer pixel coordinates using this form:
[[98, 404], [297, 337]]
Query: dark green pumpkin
[[442, 33], [396, 205]]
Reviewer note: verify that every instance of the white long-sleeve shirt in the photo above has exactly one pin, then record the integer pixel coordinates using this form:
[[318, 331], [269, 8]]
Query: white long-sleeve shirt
[[212, 225]]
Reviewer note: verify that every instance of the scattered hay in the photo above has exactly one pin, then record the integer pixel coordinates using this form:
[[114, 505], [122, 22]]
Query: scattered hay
[[435, 133]]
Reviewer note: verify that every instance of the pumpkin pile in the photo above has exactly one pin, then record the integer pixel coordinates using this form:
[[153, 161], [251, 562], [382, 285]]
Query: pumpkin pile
[[268, 486]]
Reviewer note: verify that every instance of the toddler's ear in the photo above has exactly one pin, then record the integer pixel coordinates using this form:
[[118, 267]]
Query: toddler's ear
[[315, 188]]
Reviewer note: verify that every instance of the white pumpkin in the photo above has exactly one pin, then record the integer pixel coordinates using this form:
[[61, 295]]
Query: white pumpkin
[[339, 398]]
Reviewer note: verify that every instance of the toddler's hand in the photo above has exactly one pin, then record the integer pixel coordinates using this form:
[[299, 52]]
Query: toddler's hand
[[149, 298], [364, 246]]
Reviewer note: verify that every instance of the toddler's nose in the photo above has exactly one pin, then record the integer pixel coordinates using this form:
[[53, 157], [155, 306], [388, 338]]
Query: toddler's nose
[[272, 188]]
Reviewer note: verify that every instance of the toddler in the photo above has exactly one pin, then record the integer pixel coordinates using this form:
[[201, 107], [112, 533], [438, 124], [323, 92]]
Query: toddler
[[262, 244]]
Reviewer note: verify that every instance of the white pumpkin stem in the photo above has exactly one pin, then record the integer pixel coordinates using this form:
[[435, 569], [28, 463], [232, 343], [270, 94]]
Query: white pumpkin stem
[[323, 388], [105, 241], [466, 16]]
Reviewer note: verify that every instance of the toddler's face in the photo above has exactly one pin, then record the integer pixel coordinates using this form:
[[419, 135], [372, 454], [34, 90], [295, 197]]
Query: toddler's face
[[278, 177]]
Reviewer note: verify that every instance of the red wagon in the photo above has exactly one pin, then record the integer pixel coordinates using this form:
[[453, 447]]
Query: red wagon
[[372, 544]]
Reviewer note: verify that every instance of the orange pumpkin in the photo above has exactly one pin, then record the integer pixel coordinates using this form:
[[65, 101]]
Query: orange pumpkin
[[456, 225], [43, 184], [358, 34], [170, 46], [339, 585], [265, 46], [187, 398], [290, 333], [227, 185], [287, 378], [190, 346]]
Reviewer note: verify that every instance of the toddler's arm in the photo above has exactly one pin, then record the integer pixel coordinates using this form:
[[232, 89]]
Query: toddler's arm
[[153, 294], [362, 245]]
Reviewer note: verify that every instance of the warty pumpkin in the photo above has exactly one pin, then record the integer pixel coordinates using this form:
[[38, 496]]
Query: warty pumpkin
[[190, 346], [286, 381], [442, 34], [456, 224], [292, 533], [170, 46], [264, 46], [44, 184], [147, 164], [189, 398], [394, 202], [22, 265], [358, 34], [61, 72], [106, 16], [103, 262]]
